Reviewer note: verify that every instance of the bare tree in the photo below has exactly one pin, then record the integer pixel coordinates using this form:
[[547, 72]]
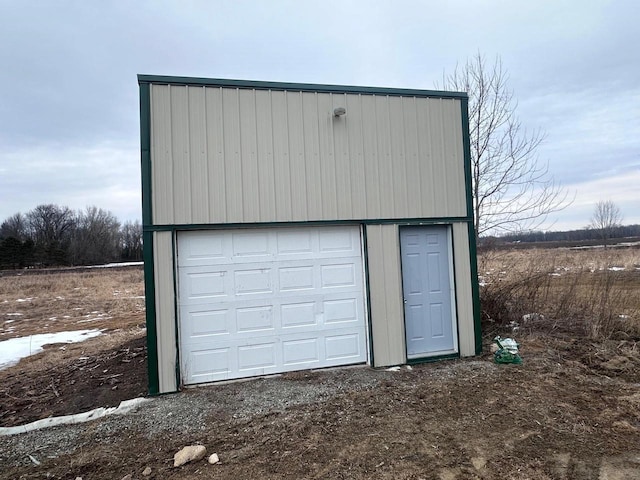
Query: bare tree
[[131, 240], [512, 189], [605, 219], [95, 238], [14, 227], [50, 227]]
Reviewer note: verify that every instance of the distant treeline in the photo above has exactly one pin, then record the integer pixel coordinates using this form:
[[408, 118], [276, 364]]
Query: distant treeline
[[52, 235], [584, 234]]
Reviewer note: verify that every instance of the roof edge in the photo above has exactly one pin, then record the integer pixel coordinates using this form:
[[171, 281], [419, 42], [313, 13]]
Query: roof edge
[[299, 87]]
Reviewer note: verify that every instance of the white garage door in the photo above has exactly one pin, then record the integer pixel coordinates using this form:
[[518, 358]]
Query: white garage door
[[261, 301]]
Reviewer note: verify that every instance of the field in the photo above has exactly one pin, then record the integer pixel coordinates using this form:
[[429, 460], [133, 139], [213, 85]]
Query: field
[[570, 411]]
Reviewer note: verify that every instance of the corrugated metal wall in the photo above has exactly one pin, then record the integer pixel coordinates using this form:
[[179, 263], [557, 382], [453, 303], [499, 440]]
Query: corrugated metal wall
[[227, 155], [464, 295], [165, 311], [385, 295]]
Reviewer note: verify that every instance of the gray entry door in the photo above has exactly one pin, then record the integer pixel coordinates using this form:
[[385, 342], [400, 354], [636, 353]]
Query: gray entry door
[[427, 290]]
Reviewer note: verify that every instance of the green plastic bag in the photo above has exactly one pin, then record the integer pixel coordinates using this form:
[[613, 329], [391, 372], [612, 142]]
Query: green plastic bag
[[507, 351]]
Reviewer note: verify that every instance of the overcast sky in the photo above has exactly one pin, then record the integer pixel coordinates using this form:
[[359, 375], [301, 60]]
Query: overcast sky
[[69, 117]]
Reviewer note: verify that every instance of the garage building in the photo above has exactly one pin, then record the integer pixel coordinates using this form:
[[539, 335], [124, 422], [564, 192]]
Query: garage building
[[299, 226]]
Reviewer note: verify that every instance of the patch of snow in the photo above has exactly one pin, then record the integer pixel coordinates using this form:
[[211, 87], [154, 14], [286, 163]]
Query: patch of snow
[[393, 369], [59, 298], [141, 297], [12, 350], [66, 316], [616, 269], [555, 274], [9, 321], [52, 318], [112, 265], [14, 314], [623, 317], [20, 300], [125, 406]]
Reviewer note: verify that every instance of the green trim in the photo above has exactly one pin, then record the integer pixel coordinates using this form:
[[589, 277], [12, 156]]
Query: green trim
[[390, 221], [466, 148], [367, 292], [150, 305], [473, 251], [436, 358], [145, 152], [452, 246], [475, 289], [299, 87], [174, 265]]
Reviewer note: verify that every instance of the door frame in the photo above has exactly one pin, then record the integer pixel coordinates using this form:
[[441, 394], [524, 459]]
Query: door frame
[[455, 351]]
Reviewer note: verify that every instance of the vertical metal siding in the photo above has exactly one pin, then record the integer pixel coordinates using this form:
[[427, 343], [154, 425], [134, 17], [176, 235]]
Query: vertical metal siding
[[165, 311], [385, 294], [227, 155], [464, 297]]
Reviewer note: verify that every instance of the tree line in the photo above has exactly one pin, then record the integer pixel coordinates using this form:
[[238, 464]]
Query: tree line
[[53, 235], [584, 234]]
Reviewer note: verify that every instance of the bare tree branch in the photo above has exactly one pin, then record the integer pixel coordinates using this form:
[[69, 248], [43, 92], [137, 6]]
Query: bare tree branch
[[512, 190]]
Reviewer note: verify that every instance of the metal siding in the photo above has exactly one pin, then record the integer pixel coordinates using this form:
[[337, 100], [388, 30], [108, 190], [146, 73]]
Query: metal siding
[[413, 157], [217, 197], [464, 297], [385, 293], [248, 156], [398, 158], [282, 172], [385, 161], [358, 185], [313, 171], [198, 165], [181, 156], [226, 155], [327, 157], [162, 159], [371, 174], [165, 311], [341, 150], [264, 138], [297, 168]]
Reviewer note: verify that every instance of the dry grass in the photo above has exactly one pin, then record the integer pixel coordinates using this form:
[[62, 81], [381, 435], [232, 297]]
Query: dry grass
[[105, 299], [597, 291]]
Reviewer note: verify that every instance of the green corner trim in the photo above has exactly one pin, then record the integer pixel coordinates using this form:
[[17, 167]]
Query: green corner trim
[[475, 289], [466, 148], [174, 262], [147, 240], [150, 304]]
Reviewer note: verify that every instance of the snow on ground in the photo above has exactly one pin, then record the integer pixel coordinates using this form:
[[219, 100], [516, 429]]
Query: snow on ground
[[112, 265], [12, 350]]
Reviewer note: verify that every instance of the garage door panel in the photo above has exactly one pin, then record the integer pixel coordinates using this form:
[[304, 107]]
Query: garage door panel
[[334, 240], [275, 300], [253, 281], [343, 347], [294, 243]]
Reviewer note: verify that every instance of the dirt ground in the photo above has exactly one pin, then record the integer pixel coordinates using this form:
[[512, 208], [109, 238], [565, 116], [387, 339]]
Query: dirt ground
[[570, 411]]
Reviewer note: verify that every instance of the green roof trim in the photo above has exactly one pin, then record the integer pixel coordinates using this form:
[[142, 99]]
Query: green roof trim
[[298, 87]]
